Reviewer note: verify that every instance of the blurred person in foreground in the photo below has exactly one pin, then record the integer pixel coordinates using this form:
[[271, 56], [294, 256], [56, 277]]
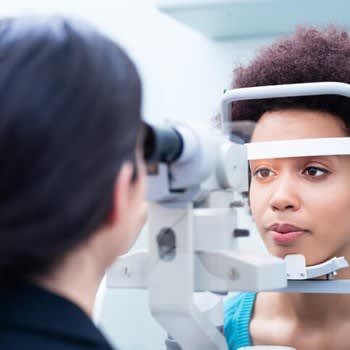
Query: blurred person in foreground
[[72, 179]]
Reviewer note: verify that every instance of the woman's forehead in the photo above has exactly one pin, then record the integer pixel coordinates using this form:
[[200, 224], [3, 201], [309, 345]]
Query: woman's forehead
[[297, 124]]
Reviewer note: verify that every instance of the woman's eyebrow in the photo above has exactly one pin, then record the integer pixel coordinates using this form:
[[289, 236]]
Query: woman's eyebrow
[[273, 162], [332, 159], [263, 162]]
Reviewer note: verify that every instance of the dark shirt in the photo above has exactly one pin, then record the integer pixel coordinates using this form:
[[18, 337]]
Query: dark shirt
[[34, 318]]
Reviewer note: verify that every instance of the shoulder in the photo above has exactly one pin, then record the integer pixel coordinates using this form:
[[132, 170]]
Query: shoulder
[[26, 322], [237, 315], [19, 339]]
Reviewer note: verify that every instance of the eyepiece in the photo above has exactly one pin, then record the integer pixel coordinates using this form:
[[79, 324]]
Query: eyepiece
[[162, 144]]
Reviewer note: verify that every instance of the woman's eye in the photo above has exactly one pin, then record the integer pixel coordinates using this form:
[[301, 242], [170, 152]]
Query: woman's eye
[[315, 171], [263, 173]]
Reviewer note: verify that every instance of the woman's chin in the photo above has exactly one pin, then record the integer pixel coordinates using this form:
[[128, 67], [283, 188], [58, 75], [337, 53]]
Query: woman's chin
[[282, 252]]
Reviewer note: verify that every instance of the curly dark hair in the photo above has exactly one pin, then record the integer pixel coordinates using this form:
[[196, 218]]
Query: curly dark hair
[[309, 55]]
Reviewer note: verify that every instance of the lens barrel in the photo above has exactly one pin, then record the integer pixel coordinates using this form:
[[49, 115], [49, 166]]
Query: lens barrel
[[162, 144]]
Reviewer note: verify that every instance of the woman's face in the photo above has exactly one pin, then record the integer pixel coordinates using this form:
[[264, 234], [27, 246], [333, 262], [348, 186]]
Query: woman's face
[[302, 205]]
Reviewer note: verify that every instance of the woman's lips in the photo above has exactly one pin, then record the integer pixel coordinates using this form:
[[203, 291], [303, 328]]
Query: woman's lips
[[285, 233]]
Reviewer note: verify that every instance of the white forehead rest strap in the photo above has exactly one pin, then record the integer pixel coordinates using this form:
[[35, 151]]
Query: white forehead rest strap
[[275, 91], [299, 148]]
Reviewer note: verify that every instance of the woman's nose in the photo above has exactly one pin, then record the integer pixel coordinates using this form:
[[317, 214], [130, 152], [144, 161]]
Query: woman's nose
[[285, 195]]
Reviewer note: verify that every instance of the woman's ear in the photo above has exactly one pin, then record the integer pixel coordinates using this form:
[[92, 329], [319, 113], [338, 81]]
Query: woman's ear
[[129, 209], [121, 194]]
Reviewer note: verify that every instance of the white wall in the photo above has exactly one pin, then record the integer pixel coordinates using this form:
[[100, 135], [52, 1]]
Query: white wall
[[184, 75]]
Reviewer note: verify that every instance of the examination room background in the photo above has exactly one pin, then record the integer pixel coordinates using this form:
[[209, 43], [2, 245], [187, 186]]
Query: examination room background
[[184, 74]]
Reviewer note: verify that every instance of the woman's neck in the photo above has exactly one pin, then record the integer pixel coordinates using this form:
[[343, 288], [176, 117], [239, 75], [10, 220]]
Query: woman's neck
[[307, 308], [76, 279]]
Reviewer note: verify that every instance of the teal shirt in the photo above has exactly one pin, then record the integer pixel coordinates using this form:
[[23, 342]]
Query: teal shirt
[[237, 315]]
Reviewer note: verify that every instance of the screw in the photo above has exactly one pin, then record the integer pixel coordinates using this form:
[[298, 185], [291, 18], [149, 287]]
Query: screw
[[126, 272], [233, 275]]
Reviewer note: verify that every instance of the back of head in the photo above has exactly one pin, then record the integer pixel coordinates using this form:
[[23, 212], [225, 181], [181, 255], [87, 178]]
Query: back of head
[[309, 55], [69, 115]]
